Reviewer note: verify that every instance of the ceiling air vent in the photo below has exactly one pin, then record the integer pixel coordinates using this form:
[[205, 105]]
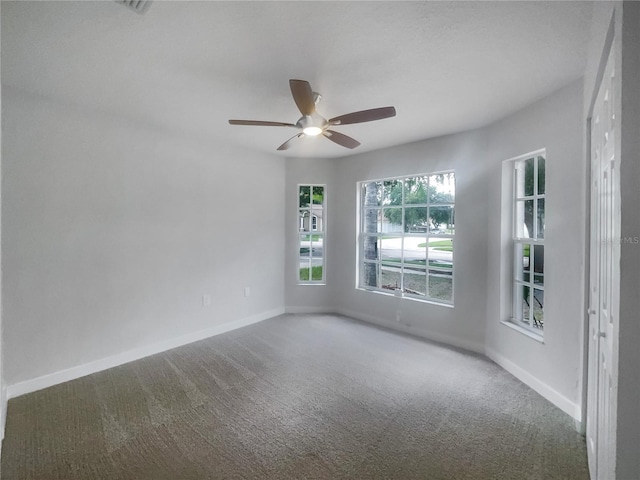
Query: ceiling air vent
[[138, 6]]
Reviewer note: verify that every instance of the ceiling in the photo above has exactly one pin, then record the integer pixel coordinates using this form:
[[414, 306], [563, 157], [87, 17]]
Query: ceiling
[[188, 67]]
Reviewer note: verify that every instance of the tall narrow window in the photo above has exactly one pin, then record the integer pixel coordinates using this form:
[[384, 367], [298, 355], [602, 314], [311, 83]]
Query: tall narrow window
[[406, 236], [311, 225], [528, 242]]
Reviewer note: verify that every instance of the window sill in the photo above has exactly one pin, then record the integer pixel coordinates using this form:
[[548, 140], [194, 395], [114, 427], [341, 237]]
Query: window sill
[[403, 297], [533, 335]]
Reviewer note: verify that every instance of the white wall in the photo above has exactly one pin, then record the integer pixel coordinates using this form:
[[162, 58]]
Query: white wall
[[309, 298], [113, 231], [554, 367], [462, 325]]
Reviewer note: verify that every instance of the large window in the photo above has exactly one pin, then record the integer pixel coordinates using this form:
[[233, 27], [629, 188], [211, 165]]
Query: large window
[[406, 233], [528, 242], [311, 226]]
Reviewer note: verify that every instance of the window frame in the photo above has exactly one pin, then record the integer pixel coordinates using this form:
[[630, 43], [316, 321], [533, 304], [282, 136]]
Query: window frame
[[518, 243], [312, 232], [428, 234]]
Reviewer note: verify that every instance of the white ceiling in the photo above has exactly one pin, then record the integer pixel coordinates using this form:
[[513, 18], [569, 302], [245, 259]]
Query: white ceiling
[[188, 67]]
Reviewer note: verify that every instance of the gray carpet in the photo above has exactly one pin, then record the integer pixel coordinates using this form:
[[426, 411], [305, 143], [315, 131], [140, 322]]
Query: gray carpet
[[297, 396]]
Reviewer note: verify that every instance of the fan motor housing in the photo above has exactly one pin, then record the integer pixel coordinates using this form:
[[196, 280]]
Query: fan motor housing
[[314, 120]]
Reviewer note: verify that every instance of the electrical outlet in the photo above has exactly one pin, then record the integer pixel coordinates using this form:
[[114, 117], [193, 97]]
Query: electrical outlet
[[206, 300], [247, 291]]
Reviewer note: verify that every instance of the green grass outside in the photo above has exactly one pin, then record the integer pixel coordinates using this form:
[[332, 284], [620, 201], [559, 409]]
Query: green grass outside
[[314, 237], [316, 273], [420, 263], [442, 245]]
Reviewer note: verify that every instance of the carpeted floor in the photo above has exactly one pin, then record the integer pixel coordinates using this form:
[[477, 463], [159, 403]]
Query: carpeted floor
[[297, 396]]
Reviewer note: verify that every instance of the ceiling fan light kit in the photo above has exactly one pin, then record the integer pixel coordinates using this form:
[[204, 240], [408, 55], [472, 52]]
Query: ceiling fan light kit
[[313, 124]]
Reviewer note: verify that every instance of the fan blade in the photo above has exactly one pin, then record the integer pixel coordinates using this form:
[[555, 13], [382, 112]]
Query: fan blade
[[286, 145], [260, 123], [364, 116], [341, 139], [303, 96]]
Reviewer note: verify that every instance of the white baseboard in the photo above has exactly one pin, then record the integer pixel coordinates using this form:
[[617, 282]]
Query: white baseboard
[[3, 412], [563, 403], [62, 376], [305, 310], [401, 327]]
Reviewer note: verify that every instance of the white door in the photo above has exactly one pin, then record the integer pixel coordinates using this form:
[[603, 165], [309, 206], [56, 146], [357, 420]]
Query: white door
[[604, 282]]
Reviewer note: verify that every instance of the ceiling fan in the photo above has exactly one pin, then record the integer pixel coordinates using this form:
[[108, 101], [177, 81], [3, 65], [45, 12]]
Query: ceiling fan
[[312, 123]]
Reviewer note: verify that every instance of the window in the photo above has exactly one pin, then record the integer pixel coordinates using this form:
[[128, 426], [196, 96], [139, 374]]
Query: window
[[528, 242], [311, 218], [406, 236]]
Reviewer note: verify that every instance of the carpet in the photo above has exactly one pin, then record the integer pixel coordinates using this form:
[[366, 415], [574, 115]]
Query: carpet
[[294, 397]]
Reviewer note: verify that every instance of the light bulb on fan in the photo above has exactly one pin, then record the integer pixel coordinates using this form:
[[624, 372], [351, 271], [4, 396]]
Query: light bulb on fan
[[312, 131]]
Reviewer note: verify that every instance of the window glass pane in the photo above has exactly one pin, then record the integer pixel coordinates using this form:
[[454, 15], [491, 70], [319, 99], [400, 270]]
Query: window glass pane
[[304, 223], [538, 280], [391, 250], [538, 308], [415, 219], [316, 269], [317, 219], [317, 246], [415, 281], [369, 275], [391, 220], [440, 271], [540, 218], [305, 246], [415, 190], [524, 219], [442, 188], [371, 248], [538, 259], [318, 195], [524, 313], [441, 219], [372, 222], [541, 175], [372, 194], [523, 259], [305, 195], [304, 270], [440, 288], [441, 253], [524, 178], [415, 251], [390, 277], [392, 192]]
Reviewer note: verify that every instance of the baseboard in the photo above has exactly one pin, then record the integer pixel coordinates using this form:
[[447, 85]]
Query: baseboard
[[563, 403], [304, 310], [3, 413], [404, 328], [62, 376]]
